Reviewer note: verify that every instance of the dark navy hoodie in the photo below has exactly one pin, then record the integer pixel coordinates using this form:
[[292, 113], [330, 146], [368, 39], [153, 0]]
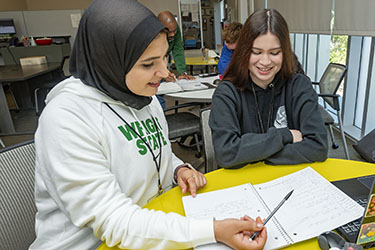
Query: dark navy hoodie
[[285, 104]]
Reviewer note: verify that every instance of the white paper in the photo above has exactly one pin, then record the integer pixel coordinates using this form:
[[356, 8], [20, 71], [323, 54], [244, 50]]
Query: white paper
[[315, 206], [188, 85], [210, 80], [194, 17], [233, 202], [193, 7], [185, 7], [185, 13], [75, 18], [180, 85], [168, 87]]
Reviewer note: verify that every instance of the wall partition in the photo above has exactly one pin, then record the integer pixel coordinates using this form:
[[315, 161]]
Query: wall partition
[[305, 16]]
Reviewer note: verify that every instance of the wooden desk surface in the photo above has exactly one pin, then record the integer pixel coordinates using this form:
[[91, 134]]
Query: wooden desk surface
[[12, 73], [331, 169]]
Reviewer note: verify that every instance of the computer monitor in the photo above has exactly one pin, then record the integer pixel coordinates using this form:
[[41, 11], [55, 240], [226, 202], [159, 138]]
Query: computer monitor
[[7, 29]]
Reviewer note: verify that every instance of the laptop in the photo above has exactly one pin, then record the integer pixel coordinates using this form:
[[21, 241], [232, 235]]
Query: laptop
[[362, 190]]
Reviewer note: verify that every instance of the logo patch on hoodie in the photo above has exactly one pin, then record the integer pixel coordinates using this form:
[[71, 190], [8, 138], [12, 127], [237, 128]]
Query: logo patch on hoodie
[[281, 120], [147, 130]]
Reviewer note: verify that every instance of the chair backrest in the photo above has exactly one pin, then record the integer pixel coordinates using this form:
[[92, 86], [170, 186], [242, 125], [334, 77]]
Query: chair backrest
[[17, 204], [330, 81], [64, 66], [209, 153], [182, 123]]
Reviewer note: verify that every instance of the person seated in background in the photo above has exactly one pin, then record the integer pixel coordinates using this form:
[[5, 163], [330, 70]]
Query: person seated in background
[[175, 45], [230, 36], [263, 110], [102, 148]]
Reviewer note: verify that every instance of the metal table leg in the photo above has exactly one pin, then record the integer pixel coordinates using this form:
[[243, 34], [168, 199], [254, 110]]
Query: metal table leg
[[6, 123]]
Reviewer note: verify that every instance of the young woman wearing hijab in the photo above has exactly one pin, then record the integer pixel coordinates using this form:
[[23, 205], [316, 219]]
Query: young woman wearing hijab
[[102, 148], [263, 110]]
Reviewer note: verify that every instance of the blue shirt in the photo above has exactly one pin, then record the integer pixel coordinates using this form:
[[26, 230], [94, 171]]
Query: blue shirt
[[226, 55]]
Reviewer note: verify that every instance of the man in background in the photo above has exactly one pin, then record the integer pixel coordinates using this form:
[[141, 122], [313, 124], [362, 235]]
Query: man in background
[[175, 46]]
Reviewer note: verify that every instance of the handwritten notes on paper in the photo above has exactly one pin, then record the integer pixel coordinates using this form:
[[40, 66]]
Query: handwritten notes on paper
[[316, 203], [315, 206]]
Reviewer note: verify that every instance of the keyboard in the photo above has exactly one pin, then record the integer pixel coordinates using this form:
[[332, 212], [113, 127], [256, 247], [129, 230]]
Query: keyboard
[[353, 227]]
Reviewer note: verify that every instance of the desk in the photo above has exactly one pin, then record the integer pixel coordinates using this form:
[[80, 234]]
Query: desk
[[331, 169], [204, 95], [196, 61], [54, 52], [16, 73]]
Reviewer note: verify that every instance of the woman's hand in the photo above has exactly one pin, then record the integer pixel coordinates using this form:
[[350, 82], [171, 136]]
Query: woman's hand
[[190, 180], [297, 135], [236, 233]]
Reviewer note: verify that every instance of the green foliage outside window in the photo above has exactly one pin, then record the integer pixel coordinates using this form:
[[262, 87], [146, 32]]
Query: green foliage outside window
[[338, 49]]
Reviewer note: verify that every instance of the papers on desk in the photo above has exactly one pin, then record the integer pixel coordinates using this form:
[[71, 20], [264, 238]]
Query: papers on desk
[[184, 85], [315, 206], [210, 80]]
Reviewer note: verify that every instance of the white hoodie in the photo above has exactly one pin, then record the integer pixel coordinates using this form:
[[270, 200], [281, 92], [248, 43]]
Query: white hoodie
[[93, 174]]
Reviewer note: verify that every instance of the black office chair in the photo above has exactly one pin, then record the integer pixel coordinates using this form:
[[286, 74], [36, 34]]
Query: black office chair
[[181, 125], [328, 85], [40, 94]]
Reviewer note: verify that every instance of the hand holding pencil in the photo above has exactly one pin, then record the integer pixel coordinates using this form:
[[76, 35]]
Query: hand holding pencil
[[273, 213], [171, 77]]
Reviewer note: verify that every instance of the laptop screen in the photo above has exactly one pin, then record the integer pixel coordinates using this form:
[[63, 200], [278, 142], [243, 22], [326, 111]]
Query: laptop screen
[[366, 235]]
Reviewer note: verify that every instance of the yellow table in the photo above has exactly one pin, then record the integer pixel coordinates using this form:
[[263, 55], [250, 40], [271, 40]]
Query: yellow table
[[331, 169], [199, 61]]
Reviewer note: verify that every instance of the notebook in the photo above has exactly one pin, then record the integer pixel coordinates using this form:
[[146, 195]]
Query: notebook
[[361, 190], [315, 206], [181, 85]]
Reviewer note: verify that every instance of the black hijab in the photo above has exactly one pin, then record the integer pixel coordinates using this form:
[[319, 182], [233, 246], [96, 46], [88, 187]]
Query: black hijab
[[112, 35]]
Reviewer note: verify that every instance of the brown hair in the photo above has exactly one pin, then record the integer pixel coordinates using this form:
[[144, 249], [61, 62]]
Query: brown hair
[[232, 32], [259, 23]]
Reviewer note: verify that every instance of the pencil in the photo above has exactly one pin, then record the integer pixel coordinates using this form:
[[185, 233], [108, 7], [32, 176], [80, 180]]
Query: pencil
[[273, 212]]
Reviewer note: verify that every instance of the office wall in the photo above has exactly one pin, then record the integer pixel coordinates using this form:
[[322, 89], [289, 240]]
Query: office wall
[[157, 6], [12, 5], [18, 5], [44, 23], [52, 23], [18, 21], [56, 4]]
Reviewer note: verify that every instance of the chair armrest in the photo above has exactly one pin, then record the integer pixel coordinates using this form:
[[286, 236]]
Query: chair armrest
[[335, 98], [329, 95]]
